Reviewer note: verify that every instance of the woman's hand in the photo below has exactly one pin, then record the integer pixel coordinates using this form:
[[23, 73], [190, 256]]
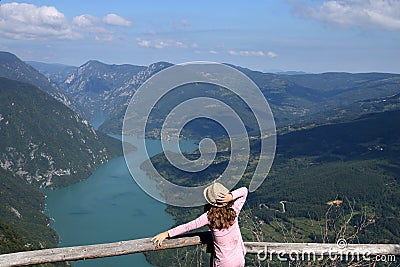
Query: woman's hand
[[224, 197], [158, 239]]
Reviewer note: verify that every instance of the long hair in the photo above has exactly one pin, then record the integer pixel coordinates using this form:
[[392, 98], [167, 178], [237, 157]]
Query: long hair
[[221, 217]]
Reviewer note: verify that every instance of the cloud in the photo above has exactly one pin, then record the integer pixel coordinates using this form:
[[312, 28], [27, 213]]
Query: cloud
[[272, 54], [91, 26], [98, 27], [213, 52], [28, 22], [105, 37], [85, 21], [246, 53], [252, 53], [382, 14], [88, 23], [115, 20], [160, 44]]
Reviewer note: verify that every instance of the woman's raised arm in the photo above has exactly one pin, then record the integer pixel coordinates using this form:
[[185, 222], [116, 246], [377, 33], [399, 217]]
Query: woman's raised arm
[[239, 197]]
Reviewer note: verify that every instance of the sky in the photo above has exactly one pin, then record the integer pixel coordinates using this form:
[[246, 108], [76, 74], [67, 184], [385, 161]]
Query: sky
[[270, 35]]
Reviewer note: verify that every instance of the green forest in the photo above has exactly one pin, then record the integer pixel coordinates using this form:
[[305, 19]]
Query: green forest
[[329, 182], [335, 175]]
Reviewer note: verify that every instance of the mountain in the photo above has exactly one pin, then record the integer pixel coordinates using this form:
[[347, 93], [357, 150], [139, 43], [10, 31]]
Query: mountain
[[99, 88], [92, 86], [13, 68], [324, 90], [290, 72], [57, 73], [303, 99], [120, 97], [43, 141], [340, 89], [295, 100], [351, 111]]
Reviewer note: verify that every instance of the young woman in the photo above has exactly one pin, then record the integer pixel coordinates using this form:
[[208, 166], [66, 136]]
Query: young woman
[[222, 218]]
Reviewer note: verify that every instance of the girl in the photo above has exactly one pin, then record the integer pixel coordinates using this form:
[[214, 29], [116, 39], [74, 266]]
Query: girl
[[222, 219]]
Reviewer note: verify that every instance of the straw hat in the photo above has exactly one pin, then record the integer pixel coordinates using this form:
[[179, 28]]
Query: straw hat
[[211, 193]]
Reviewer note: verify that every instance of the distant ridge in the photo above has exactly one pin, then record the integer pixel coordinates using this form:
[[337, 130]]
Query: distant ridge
[[291, 72], [296, 98], [55, 72]]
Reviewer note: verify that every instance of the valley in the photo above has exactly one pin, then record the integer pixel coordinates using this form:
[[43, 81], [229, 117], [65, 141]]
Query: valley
[[338, 140]]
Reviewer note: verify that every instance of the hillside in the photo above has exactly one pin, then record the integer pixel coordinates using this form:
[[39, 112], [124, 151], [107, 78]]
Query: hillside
[[13, 68], [311, 98], [356, 162], [23, 226], [43, 141]]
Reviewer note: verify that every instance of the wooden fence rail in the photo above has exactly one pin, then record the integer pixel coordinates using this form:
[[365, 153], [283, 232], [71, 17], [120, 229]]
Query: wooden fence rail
[[142, 245]]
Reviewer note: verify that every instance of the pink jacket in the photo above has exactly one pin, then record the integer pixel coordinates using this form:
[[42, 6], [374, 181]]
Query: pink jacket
[[228, 243]]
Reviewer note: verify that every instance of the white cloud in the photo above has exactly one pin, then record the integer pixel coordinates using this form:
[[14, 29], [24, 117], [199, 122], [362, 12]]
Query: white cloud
[[85, 21], [160, 44], [105, 37], [272, 54], [115, 20], [92, 26], [383, 14], [246, 53], [213, 52], [27, 21], [253, 53], [30, 22]]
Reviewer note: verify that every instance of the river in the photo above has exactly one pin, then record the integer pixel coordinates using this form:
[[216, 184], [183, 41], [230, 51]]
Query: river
[[109, 206]]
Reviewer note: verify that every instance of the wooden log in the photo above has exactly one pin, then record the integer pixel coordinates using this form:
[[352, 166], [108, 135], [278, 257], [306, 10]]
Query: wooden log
[[262, 249], [98, 251]]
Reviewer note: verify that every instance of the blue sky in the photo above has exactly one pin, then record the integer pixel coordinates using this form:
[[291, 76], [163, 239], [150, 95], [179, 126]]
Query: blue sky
[[311, 36]]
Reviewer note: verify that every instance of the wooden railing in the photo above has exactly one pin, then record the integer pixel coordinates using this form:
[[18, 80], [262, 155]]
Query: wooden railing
[[263, 249]]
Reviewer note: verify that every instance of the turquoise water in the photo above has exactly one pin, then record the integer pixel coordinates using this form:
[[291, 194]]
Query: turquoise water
[[109, 206]]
